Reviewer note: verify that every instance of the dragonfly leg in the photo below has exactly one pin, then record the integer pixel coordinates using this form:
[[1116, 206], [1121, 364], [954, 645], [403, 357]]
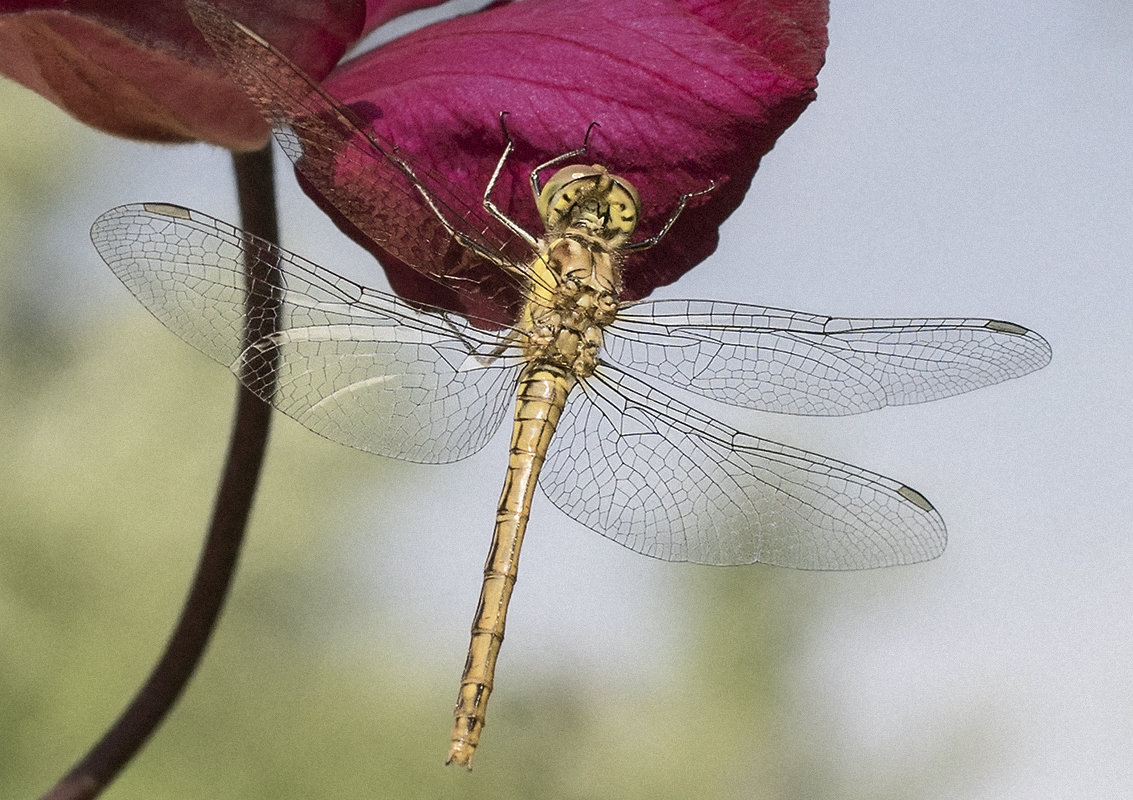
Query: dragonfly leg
[[491, 207], [536, 189], [645, 244], [494, 210], [461, 238]]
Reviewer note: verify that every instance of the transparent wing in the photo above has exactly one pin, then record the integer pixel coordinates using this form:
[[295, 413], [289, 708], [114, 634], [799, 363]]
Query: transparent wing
[[667, 481], [355, 365], [787, 361], [363, 176]]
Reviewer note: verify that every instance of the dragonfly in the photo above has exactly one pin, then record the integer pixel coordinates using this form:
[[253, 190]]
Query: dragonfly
[[596, 420]]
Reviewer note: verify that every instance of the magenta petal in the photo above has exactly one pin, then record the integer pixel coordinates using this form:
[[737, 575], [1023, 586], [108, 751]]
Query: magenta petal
[[686, 94], [140, 69]]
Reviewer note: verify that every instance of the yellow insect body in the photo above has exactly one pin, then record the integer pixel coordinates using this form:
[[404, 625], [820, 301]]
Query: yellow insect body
[[573, 294]]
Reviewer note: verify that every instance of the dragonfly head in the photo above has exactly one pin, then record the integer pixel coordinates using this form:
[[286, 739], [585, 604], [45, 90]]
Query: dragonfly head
[[589, 197]]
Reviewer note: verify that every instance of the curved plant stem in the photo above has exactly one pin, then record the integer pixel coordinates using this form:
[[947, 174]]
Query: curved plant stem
[[87, 779]]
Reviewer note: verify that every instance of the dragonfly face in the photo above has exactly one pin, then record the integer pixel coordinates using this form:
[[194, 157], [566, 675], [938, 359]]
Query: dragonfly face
[[592, 200], [622, 456]]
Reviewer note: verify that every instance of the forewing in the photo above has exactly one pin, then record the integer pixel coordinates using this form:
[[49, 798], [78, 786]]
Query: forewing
[[364, 177], [787, 361], [667, 481], [355, 365]]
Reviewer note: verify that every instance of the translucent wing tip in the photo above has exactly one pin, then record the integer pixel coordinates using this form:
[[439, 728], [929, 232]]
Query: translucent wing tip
[[1014, 329], [226, 34], [211, 20], [1041, 350]]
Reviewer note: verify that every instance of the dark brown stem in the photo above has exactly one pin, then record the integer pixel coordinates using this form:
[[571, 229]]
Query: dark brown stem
[[255, 185]]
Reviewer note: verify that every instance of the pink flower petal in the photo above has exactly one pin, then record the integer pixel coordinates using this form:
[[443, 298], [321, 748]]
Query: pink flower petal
[[686, 94], [139, 68]]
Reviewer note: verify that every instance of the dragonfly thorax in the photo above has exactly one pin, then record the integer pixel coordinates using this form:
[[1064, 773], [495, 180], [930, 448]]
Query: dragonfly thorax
[[590, 200], [574, 295]]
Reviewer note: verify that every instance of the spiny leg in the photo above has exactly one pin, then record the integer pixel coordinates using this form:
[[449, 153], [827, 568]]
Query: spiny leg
[[645, 244], [491, 207], [535, 188], [463, 239]]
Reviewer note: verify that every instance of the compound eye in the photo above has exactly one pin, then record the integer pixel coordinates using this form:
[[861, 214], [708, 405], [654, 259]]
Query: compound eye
[[614, 199], [564, 189], [625, 207]]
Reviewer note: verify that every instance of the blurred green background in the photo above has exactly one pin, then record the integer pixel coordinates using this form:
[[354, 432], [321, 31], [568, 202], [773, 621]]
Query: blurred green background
[[962, 159]]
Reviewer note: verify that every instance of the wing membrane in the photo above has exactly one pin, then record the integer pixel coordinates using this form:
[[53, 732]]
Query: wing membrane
[[361, 174], [787, 361], [357, 366], [667, 481]]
